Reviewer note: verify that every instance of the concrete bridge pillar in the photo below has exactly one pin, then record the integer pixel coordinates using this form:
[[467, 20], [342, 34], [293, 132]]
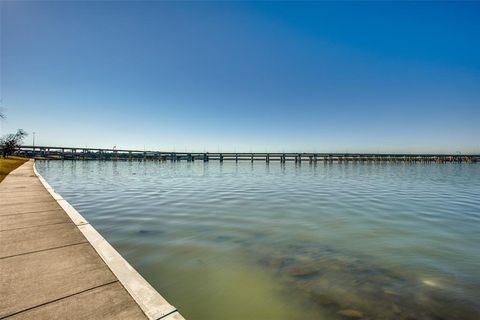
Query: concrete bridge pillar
[[221, 157], [205, 157]]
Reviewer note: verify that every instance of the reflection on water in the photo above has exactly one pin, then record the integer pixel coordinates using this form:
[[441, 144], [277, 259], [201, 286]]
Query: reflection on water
[[257, 241]]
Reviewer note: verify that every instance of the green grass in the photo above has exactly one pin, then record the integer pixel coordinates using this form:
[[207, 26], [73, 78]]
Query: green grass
[[9, 164]]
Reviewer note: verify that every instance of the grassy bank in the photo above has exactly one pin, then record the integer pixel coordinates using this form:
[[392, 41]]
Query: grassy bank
[[9, 164]]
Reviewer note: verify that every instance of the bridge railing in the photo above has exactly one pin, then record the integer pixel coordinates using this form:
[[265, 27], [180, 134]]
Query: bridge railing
[[78, 153]]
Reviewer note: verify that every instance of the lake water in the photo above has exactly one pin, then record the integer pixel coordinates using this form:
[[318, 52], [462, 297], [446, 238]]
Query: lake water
[[256, 241]]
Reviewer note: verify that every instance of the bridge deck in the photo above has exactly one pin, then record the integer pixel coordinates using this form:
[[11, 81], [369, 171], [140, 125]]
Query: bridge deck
[[53, 264], [74, 153]]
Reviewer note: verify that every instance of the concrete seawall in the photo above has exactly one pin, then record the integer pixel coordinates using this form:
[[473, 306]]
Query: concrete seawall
[[54, 264]]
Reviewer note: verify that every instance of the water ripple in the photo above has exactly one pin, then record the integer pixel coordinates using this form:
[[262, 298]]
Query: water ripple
[[326, 241]]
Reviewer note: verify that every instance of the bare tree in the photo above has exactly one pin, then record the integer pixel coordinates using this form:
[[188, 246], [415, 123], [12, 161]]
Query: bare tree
[[11, 142]]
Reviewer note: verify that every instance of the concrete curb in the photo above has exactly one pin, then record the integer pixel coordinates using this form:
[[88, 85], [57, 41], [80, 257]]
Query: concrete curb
[[149, 300]]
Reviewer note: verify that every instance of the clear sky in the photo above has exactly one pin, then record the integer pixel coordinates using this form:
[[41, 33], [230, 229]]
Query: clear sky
[[340, 77]]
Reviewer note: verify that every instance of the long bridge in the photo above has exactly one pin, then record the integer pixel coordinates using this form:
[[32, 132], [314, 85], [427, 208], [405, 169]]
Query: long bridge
[[80, 153]]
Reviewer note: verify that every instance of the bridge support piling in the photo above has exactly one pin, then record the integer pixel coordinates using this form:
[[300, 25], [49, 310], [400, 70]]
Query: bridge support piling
[[73, 153]]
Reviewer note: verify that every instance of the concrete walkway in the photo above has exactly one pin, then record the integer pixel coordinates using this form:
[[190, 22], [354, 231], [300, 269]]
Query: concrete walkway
[[53, 264]]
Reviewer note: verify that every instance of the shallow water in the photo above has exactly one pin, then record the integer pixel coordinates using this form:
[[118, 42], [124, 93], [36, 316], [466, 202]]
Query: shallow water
[[256, 241]]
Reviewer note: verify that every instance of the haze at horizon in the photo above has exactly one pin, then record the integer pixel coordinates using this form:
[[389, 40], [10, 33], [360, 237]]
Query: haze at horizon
[[314, 77]]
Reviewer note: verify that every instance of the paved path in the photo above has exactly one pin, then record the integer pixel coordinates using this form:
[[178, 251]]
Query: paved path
[[54, 267]]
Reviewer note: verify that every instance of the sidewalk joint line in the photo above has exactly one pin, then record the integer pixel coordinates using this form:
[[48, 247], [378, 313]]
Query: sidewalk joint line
[[58, 299], [36, 226], [36, 251]]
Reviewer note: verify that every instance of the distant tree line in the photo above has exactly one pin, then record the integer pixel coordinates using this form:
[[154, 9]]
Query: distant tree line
[[11, 142]]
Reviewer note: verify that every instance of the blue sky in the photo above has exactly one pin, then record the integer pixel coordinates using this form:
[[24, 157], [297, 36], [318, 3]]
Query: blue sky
[[256, 76]]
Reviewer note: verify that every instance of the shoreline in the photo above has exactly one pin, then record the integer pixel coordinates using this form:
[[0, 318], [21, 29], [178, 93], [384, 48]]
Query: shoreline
[[29, 235]]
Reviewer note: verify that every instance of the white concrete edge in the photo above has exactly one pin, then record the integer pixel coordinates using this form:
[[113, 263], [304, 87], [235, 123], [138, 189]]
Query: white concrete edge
[[150, 301]]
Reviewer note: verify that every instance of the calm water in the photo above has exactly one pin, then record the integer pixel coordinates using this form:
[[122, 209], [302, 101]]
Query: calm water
[[255, 241]]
